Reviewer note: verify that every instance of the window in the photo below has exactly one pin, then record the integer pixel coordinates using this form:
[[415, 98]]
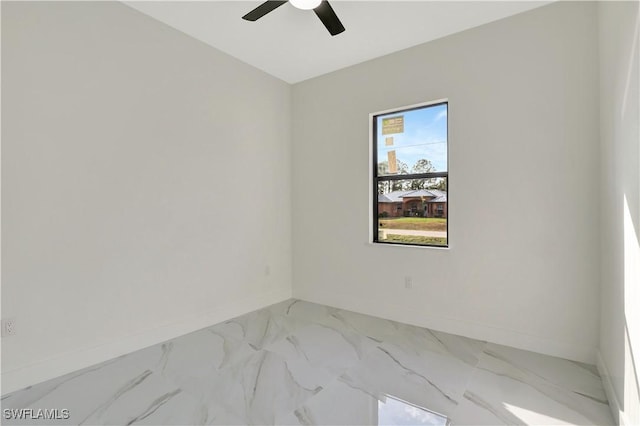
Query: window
[[410, 175]]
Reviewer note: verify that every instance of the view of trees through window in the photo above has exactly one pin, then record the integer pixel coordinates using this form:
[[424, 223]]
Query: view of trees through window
[[411, 176]]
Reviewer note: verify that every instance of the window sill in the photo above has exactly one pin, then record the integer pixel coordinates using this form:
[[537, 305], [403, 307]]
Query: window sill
[[378, 244]]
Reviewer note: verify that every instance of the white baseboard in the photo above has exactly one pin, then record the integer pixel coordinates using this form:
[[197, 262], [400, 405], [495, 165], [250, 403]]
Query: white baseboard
[[65, 363], [502, 336], [614, 403]]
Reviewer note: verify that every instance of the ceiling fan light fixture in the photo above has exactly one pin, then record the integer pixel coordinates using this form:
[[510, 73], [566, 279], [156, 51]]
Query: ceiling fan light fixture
[[305, 4], [321, 8]]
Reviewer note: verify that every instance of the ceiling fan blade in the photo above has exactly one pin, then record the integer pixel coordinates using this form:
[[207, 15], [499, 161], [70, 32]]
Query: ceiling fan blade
[[263, 9], [329, 18]]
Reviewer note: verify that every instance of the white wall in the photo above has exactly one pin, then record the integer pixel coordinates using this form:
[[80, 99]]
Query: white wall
[[524, 196], [145, 185], [619, 47]]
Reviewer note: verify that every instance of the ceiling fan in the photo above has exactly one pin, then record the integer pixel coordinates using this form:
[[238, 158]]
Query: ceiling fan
[[322, 8]]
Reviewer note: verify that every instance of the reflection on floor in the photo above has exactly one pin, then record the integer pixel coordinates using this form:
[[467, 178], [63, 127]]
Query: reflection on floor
[[302, 363], [392, 411]]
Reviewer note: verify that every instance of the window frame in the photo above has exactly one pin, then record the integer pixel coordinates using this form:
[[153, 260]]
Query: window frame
[[374, 179]]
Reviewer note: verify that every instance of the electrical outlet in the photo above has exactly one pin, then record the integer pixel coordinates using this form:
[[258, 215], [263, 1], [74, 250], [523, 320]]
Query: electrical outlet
[[8, 327], [408, 282]]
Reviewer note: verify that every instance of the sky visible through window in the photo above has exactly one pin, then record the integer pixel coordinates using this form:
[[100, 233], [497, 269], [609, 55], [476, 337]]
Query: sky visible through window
[[424, 137]]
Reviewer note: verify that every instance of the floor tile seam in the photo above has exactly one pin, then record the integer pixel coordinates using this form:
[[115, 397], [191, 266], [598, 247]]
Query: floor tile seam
[[173, 372], [335, 381], [315, 365], [475, 370], [542, 394], [303, 403], [541, 380], [471, 367], [570, 393]]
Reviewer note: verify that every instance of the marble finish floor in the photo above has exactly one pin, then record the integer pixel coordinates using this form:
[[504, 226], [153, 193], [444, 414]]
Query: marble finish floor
[[302, 363]]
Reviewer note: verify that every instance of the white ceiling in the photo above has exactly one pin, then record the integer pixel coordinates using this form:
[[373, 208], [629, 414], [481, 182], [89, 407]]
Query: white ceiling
[[293, 45]]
